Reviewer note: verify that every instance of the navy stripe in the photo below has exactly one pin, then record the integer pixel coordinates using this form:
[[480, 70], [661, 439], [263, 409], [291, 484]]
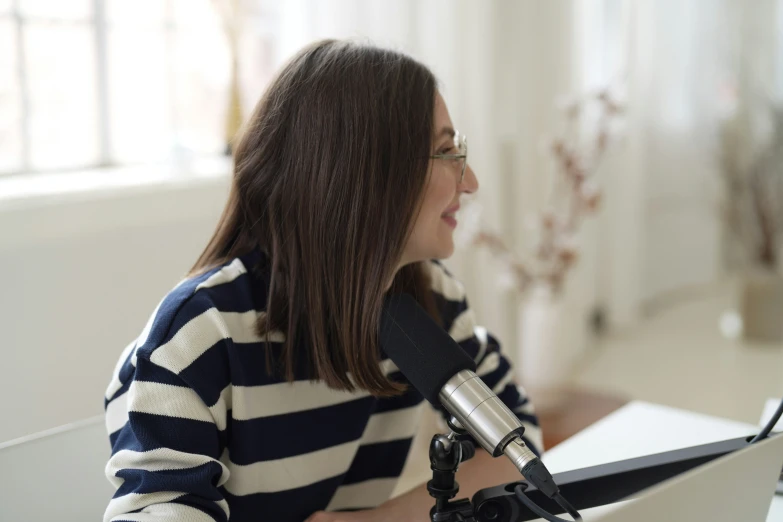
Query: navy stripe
[[292, 505], [148, 371], [202, 504], [381, 460], [449, 310], [281, 436], [157, 431], [410, 398], [472, 346], [233, 296], [169, 308], [496, 375], [247, 362], [211, 372], [113, 439], [200, 481]]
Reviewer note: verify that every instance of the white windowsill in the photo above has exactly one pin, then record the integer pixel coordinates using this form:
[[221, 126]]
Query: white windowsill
[[64, 187], [42, 208]]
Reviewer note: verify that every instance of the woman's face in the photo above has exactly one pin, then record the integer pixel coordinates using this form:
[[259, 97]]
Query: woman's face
[[432, 236]]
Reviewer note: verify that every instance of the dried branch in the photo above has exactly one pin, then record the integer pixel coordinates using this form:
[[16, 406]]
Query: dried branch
[[574, 195]]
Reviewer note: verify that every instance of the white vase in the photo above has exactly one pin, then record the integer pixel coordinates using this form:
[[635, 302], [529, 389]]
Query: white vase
[[761, 305], [551, 338]]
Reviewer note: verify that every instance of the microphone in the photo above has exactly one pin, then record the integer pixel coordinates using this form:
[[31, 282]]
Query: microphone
[[445, 375]]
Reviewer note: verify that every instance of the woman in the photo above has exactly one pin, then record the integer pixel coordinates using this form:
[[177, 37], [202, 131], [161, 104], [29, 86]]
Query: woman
[[257, 390]]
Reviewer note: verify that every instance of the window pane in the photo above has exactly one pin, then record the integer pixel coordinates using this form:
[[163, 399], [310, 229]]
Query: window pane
[[257, 61], [60, 64], [201, 80], [60, 9], [5, 6], [138, 110], [10, 101], [136, 12], [200, 12]]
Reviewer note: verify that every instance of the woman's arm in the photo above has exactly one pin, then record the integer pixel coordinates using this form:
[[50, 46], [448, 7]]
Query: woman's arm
[[482, 471], [165, 456]]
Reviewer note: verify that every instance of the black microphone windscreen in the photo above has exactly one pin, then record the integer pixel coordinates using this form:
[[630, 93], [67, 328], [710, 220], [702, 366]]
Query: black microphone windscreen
[[425, 354]]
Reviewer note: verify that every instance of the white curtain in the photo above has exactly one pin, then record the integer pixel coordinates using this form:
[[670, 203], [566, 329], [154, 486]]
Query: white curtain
[[661, 231]]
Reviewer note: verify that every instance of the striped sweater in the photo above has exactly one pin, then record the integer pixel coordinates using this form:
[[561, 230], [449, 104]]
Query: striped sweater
[[200, 432]]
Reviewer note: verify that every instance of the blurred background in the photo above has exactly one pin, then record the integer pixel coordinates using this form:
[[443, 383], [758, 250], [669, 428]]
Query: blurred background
[[624, 244]]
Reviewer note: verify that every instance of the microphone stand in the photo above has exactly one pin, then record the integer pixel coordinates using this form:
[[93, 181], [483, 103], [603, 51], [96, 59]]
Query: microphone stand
[[446, 454]]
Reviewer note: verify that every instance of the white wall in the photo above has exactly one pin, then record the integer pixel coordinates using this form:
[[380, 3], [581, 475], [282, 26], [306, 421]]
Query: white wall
[[81, 274]]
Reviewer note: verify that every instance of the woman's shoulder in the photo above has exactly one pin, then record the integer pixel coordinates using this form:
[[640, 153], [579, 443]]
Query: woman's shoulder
[[222, 301], [187, 332]]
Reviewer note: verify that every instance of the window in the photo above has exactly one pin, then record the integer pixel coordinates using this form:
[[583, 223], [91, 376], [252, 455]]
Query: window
[[89, 83]]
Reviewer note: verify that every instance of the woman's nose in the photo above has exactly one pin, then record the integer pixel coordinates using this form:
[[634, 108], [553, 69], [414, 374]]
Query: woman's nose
[[469, 182]]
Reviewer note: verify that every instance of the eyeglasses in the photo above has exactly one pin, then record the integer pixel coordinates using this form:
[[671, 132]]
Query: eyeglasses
[[461, 144]]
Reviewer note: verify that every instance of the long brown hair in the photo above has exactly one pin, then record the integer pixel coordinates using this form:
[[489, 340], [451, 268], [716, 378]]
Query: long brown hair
[[328, 177]]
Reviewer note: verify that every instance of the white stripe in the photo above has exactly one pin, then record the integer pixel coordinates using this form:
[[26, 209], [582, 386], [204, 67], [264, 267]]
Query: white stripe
[[272, 476], [202, 332], [483, 339], [367, 494], [444, 284], [462, 329], [134, 501], [387, 367], [481, 334], [489, 364], [117, 413], [225, 275], [115, 383], [251, 402], [521, 390], [158, 460], [393, 425], [164, 399], [158, 512], [117, 410], [220, 409]]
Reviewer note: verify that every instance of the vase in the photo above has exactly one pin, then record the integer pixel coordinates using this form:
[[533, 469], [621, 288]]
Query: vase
[[760, 304], [551, 338]]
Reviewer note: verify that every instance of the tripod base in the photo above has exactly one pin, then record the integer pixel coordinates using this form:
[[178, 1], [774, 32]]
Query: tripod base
[[459, 510]]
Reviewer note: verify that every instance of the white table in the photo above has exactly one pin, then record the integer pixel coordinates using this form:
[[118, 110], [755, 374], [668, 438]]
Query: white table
[[641, 428]]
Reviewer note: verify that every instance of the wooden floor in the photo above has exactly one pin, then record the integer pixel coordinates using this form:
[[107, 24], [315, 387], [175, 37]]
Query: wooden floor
[[578, 410]]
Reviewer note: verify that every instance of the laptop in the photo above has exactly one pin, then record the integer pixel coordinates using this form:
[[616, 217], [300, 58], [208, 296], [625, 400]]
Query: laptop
[[738, 487]]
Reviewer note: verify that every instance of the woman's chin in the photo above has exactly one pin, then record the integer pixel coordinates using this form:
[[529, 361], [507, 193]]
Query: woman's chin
[[446, 249]]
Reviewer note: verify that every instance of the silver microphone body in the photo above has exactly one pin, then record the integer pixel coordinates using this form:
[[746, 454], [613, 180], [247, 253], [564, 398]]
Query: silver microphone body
[[485, 417]]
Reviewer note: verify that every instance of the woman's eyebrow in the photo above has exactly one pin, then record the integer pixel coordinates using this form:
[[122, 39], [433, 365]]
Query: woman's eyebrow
[[446, 131]]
